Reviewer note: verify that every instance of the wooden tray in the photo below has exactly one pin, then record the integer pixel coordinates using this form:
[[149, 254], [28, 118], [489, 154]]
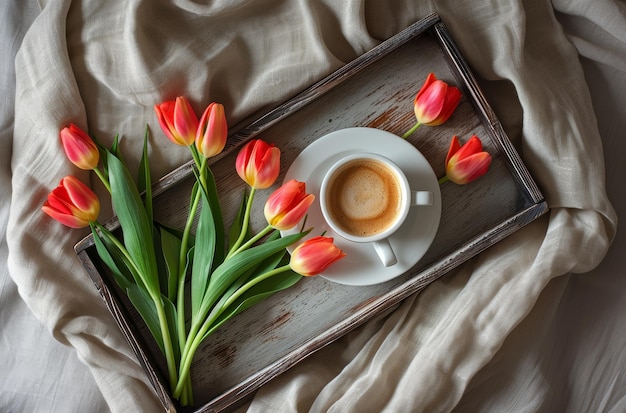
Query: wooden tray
[[375, 90]]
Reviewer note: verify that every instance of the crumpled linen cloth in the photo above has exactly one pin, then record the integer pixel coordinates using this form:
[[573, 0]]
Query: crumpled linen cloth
[[103, 65]]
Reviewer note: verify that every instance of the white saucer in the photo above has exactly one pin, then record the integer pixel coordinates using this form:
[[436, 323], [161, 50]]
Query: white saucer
[[361, 265]]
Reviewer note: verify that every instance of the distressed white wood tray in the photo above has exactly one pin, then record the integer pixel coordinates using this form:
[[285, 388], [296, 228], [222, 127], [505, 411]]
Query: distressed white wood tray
[[375, 90]]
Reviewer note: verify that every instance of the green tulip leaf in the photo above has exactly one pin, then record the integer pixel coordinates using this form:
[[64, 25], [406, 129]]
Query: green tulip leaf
[[273, 260], [112, 258], [231, 269], [115, 146], [264, 266], [170, 247], [210, 191], [175, 232], [144, 180], [254, 295], [206, 239], [162, 268], [135, 224], [146, 309], [170, 315]]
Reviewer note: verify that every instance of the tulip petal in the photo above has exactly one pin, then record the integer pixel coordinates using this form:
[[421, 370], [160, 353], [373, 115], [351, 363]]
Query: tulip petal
[[287, 205], [163, 112], [468, 162], [455, 145], [242, 160], [452, 99], [313, 256], [469, 168], [79, 148], [283, 197], [185, 120], [65, 219], [266, 162], [177, 120], [72, 203], [295, 214], [435, 102], [79, 194], [429, 80], [258, 164], [212, 131], [472, 146], [59, 200], [430, 104]]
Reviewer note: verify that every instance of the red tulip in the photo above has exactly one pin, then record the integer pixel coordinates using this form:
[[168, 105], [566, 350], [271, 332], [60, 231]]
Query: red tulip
[[468, 162], [80, 149], [286, 206], [314, 255], [178, 120], [435, 101], [72, 203], [212, 131], [258, 164]]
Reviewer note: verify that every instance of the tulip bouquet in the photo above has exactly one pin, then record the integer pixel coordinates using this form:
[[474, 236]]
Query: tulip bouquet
[[185, 284], [161, 268]]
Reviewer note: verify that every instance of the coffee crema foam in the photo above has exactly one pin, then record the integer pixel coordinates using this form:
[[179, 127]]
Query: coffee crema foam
[[364, 197]]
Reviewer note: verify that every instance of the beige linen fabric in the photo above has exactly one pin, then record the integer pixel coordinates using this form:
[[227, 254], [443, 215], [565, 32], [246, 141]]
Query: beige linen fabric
[[103, 65]]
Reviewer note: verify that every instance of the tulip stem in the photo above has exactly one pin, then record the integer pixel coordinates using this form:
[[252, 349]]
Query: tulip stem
[[410, 131], [182, 259], [244, 226], [182, 267], [443, 179], [103, 178], [252, 240], [194, 155], [167, 340]]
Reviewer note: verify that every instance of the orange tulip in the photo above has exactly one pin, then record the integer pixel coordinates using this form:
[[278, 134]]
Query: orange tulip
[[80, 149], [314, 255], [468, 162], [212, 131], [178, 120], [286, 206], [435, 101], [258, 164], [72, 203]]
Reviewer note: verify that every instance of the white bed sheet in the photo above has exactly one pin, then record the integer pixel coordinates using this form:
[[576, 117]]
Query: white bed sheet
[[567, 354]]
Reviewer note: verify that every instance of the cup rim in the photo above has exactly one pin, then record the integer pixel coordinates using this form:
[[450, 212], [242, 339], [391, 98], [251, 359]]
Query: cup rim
[[405, 193]]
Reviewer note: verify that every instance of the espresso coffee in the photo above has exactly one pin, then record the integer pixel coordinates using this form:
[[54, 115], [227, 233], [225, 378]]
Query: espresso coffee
[[364, 197]]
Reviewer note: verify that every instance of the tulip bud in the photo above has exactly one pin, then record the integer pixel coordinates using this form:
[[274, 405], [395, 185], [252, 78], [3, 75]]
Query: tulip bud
[[212, 131], [80, 149], [314, 255], [178, 120], [72, 203], [468, 162], [258, 164], [435, 101], [286, 206]]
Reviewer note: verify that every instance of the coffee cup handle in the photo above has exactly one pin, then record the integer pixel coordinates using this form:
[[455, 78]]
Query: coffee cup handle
[[422, 198], [385, 252]]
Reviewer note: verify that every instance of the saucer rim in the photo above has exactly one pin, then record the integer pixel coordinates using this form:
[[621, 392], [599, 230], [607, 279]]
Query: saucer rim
[[380, 274]]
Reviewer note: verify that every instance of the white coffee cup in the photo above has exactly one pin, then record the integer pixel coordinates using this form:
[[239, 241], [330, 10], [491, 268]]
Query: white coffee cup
[[365, 198]]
